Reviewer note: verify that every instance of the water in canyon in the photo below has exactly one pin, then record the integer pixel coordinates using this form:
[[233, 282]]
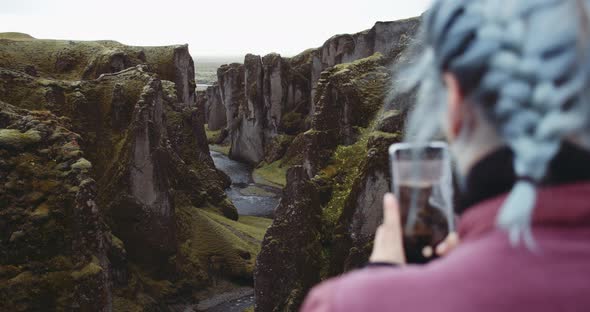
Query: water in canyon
[[250, 198]]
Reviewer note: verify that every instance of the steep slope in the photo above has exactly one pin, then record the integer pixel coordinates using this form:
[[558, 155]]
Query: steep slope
[[138, 130], [87, 60], [269, 100], [338, 174], [322, 118], [54, 243]]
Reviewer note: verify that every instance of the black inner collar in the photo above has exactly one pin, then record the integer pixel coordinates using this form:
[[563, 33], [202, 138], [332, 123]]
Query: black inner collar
[[494, 174]]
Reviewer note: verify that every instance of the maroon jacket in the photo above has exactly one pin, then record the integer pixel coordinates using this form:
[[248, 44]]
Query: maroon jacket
[[484, 273]]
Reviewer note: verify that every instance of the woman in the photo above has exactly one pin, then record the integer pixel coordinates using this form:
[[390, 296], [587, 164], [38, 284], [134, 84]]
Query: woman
[[515, 76]]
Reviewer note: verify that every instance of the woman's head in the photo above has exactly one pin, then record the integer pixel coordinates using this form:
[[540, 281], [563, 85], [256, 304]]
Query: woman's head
[[512, 73]]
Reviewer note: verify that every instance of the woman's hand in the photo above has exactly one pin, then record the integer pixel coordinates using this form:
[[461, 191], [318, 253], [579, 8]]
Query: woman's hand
[[388, 246], [446, 246]]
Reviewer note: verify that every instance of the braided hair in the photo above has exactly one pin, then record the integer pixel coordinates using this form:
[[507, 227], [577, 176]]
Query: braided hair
[[525, 65]]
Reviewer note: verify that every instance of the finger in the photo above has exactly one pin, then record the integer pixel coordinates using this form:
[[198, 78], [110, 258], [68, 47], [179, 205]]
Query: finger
[[391, 215], [427, 252], [450, 242]]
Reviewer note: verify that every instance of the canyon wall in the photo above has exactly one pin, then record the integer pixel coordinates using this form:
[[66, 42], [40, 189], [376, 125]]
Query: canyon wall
[[263, 98], [321, 116], [105, 170], [54, 244], [337, 166], [215, 116], [269, 100]]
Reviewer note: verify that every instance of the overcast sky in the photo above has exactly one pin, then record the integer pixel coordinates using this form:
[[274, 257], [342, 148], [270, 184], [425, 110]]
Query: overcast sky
[[211, 28]]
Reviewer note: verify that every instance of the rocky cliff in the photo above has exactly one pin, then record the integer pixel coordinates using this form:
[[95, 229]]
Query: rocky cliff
[[264, 100], [215, 115], [87, 60], [54, 242], [107, 180], [338, 169], [269, 100]]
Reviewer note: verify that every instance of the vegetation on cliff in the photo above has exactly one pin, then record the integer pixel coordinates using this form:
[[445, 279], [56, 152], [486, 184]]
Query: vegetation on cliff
[[126, 118], [338, 173], [113, 198], [52, 243]]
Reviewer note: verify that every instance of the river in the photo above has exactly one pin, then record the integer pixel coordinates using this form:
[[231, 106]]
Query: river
[[250, 198]]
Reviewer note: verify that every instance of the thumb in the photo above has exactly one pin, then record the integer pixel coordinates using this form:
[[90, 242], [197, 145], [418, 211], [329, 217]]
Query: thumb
[[391, 215]]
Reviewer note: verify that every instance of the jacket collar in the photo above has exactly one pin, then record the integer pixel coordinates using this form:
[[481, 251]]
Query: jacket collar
[[565, 205]]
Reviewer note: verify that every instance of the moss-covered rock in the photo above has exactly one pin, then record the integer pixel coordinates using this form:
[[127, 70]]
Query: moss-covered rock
[[277, 148], [16, 36], [12, 138], [77, 60], [215, 112], [137, 132], [217, 247], [52, 235], [273, 174], [340, 173], [348, 96], [81, 164], [291, 246], [292, 122]]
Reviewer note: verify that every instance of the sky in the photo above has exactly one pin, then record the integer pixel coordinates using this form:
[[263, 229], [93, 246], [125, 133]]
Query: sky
[[211, 28]]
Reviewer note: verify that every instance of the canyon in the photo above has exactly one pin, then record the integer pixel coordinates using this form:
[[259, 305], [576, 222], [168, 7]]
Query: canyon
[[109, 197], [122, 188], [323, 119]]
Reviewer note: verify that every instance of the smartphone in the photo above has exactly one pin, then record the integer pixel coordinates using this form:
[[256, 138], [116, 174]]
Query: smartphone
[[422, 181]]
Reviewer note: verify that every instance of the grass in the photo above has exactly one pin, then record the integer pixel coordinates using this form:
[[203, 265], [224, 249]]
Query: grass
[[274, 174], [223, 149], [215, 242], [255, 191], [13, 138], [78, 60], [249, 225], [15, 36], [212, 135], [346, 163]]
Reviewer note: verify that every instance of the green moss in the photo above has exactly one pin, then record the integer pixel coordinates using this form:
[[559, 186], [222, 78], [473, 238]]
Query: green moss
[[368, 61], [397, 135], [390, 113], [32, 292], [223, 149], [213, 242], [42, 211], [362, 85], [76, 60], [303, 57], [12, 138], [123, 304], [250, 225], [92, 268], [117, 243], [292, 122], [212, 135], [156, 288], [255, 191], [82, 164], [15, 36], [249, 309], [343, 169], [274, 174], [294, 154]]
